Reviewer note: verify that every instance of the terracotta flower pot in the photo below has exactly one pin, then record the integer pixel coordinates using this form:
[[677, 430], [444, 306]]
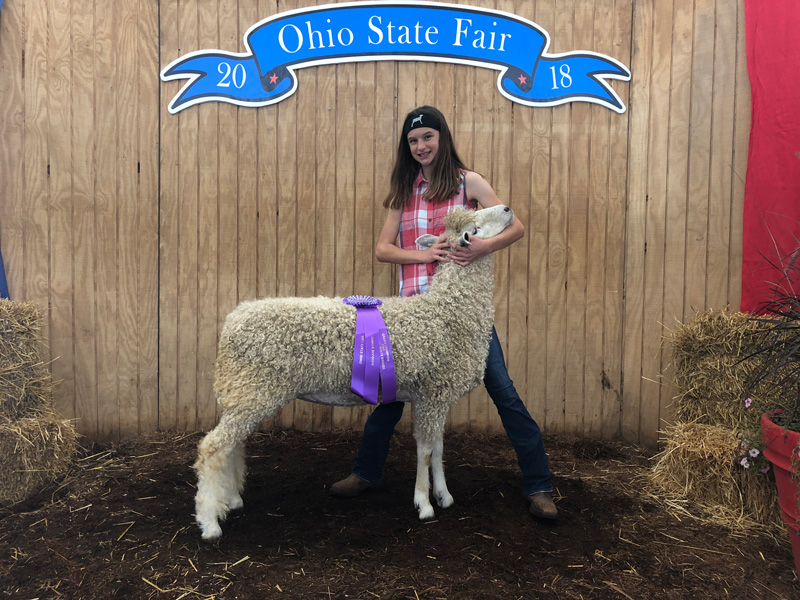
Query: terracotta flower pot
[[779, 446]]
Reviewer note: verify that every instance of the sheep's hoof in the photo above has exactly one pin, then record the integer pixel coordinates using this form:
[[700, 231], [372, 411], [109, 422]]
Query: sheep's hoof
[[236, 503], [211, 532], [445, 500], [426, 513]]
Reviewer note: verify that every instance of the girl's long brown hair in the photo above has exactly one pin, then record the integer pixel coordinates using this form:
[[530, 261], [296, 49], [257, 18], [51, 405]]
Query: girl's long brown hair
[[446, 178]]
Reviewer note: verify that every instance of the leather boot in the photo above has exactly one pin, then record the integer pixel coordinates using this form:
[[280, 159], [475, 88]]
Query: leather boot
[[542, 506], [352, 486]]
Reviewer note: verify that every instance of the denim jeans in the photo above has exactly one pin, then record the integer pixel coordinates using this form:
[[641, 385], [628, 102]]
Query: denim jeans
[[522, 430]]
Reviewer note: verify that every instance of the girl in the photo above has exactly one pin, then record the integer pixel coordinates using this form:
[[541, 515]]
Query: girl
[[428, 181]]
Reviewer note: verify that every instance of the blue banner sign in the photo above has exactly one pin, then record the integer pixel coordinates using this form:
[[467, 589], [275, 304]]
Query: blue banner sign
[[371, 31]]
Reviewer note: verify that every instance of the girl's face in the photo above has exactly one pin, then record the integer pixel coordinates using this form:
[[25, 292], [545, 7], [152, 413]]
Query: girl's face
[[424, 145]]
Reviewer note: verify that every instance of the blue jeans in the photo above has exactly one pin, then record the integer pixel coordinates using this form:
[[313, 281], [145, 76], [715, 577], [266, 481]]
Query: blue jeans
[[522, 430]]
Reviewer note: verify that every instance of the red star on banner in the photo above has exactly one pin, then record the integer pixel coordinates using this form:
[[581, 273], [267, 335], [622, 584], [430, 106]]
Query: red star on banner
[[522, 79], [273, 79]]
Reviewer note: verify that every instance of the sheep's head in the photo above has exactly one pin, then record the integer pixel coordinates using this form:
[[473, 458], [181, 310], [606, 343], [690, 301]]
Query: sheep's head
[[461, 224]]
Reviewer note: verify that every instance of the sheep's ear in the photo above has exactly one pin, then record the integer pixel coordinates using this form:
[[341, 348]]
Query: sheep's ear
[[426, 241]]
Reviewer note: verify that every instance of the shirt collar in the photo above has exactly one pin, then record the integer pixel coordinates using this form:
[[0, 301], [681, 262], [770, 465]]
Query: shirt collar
[[420, 179]]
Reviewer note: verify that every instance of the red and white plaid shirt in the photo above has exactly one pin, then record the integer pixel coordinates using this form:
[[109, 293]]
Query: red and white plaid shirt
[[420, 217]]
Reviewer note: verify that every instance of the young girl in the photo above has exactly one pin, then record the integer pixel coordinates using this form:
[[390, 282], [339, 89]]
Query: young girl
[[428, 181]]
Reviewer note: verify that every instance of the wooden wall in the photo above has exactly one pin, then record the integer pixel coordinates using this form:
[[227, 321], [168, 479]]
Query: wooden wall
[[138, 230]]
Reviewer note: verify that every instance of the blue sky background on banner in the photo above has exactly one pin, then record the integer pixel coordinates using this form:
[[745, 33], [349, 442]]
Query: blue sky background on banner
[[366, 31]]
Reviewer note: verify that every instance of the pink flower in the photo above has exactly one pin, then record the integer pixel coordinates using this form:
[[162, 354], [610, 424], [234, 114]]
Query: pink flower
[[748, 402], [744, 462], [764, 469], [754, 452]]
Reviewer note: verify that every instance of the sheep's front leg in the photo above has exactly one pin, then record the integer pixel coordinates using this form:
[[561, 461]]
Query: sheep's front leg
[[422, 487], [429, 420], [440, 491]]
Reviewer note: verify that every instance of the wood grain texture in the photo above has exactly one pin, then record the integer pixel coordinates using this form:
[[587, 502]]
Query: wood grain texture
[[139, 231]]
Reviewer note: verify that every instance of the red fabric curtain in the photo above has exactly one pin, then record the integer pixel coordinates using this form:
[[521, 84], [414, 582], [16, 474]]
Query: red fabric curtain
[[771, 235]]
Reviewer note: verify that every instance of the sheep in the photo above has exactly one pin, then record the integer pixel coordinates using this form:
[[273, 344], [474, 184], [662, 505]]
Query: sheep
[[276, 349]]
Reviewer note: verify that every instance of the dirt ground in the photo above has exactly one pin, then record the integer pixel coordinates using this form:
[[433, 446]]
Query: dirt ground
[[120, 525]]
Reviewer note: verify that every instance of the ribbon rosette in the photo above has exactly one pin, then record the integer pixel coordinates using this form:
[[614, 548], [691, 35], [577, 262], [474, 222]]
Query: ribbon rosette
[[372, 354]]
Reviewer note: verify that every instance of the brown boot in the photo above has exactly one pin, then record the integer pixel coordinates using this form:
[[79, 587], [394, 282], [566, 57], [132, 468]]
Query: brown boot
[[352, 486], [542, 506]]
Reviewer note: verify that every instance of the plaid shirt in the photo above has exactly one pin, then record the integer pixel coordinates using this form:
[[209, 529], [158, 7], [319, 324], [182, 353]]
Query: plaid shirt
[[420, 217]]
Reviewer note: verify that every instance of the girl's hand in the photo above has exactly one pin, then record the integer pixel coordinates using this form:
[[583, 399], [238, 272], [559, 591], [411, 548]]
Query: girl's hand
[[440, 251], [466, 255]]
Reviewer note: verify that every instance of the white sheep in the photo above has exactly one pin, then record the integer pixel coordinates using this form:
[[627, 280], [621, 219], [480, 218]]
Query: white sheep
[[276, 349]]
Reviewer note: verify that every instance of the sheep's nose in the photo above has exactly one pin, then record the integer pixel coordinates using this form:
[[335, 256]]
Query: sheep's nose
[[506, 209]]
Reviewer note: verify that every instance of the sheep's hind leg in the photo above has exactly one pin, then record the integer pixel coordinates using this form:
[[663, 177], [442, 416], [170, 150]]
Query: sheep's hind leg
[[440, 491], [220, 469]]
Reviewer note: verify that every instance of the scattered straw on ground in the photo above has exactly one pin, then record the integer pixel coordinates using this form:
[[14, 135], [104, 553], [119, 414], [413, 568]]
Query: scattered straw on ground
[[25, 383], [697, 466]]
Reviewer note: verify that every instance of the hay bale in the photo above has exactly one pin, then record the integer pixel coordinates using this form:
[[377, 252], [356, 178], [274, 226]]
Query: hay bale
[[25, 382], [697, 464], [712, 368], [35, 451]]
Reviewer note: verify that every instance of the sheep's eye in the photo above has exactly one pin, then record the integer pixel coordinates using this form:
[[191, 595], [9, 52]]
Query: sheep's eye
[[475, 230]]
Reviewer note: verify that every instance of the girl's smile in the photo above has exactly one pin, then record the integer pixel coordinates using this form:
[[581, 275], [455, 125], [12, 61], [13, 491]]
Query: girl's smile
[[424, 145]]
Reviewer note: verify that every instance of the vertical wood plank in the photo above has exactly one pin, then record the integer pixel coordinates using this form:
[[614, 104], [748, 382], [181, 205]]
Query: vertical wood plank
[[557, 260], [214, 17], [699, 158], [61, 209], [33, 201], [188, 198], [127, 193], [597, 241], [615, 234], [741, 126], [148, 194], [168, 215], [722, 131], [83, 222], [248, 137], [577, 223], [676, 201], [538, 235], [633, 319], [655, 222], [107, 221], [12, 119]]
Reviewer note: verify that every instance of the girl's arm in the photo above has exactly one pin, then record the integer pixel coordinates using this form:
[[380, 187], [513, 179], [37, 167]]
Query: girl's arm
[[387, 250], [478, 189]]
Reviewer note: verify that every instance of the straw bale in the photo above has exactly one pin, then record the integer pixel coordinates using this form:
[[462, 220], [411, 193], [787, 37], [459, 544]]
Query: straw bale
[[35, 451], [25, 382], [711, 357], [697, 464]]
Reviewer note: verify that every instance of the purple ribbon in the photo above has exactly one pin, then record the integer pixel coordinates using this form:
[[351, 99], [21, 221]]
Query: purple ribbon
[[372, 354]]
